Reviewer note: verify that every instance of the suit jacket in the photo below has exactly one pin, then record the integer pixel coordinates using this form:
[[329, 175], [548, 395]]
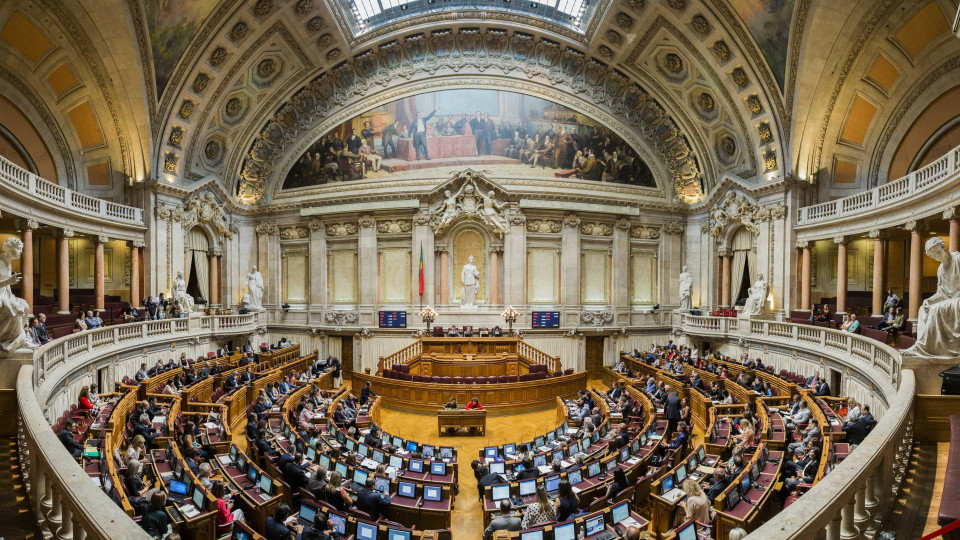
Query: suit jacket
[[856, 431], [372, 502], [716, 488], [67, 439], [502, 523], [339, 417], [276, 530], [413, 125], [672, 407], [294, 476], [823, 390], [697, 383]]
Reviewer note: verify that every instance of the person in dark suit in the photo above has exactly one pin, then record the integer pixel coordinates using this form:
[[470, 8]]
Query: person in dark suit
[[247, 376], [506, 521], [339, 416], [529, 471], [696, 381], [389, 135], [276, 529], [716, 484], [230, 383], [823, 389], [66, 437], [143, 427], [671, 409], [293, 474], [856, 429], [478, 127], [487, 478], [372, 438], [418, 131], [372, 501], [366, 393], [681, 437], [263, 445]]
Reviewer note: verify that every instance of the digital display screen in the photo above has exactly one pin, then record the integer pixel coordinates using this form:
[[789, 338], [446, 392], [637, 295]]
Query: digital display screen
[[500, 492], [393, 319], [545, 319], [366, 531]]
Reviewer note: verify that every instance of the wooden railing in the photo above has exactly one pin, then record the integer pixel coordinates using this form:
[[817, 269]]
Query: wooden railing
[[402, 356], [536, 356]]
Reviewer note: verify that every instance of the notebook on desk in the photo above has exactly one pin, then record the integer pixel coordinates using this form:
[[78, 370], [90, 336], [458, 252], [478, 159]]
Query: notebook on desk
[[224, 459], [189, 510]]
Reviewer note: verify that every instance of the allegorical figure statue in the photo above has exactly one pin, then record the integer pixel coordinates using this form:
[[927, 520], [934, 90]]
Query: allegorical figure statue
[[686, 289], [255, 288], [757, 297], [470, 277], [181, 295], [938, 331], [13, 310]]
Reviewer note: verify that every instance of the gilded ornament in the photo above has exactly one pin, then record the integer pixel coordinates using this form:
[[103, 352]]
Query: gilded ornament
[[315, 24], [205, 209], [186, 108], [722, 50], [700, 25], [176, 136], [770, 160], [673, 62], [200, 83], [170, 162], [218, 56], [239, 31], [753, 103], [706, 102], [766, 135]]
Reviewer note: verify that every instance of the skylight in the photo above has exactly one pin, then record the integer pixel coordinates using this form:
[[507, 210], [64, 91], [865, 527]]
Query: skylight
[[370, 14]]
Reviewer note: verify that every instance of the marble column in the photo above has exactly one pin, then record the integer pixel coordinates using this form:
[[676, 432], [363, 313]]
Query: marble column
[[268, 263], [423, 242], [214, 278], [570, 263], [515, 261], [841, 242], [495, 251], [916, 267], [443, 293], [878, 271], [63, 270], [98, 271], [726, 258], [804, 275], [367, 265], [26, 263], [318, 264], [135, 248], [620, 267], [953, 217]]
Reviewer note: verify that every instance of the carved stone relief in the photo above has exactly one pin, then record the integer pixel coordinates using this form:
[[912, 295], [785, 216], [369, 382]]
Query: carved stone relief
[[596, 229], [341, 229], [341, 317], [294, 233], [395, 226], [596, 318], [642, 232]]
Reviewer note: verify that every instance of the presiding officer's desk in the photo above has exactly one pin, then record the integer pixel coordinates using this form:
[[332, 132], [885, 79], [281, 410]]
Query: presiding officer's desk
[[461, 418]]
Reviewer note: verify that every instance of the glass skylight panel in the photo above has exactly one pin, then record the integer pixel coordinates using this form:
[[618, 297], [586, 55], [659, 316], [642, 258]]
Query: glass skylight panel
[[366, 8], [570, 7]]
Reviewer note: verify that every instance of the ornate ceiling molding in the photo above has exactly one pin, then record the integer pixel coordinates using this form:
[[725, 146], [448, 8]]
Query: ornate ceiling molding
[[565, 76]]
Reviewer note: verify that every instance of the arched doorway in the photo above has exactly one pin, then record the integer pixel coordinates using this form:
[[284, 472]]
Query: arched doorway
[[197, 264], [743, 269]]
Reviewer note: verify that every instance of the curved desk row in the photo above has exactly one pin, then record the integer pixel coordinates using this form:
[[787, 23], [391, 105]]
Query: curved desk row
[[423, 395]]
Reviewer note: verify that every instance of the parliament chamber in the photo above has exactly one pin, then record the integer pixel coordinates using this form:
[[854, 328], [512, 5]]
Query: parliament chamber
[[450, 270]]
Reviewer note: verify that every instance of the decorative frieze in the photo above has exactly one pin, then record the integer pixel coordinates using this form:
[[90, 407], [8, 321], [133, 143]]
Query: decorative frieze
[[673, 227], [596, 318], [267, 228], [342, 229], [596, 229], [544, 226], [341, 317], [394, 226], [294, 233], [643, 232]]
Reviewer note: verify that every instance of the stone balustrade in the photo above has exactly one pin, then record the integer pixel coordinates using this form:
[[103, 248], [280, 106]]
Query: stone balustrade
[[861, 489], [925, 190], [16, 182]]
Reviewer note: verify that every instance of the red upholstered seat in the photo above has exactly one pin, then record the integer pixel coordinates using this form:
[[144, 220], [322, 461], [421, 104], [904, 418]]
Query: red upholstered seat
[[447, 380], [469, 380], [458, 380], [503, 379]]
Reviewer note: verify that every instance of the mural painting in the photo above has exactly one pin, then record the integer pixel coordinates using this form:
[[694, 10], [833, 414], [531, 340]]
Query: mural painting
[[769, 23], [502, 131], [173, 23]]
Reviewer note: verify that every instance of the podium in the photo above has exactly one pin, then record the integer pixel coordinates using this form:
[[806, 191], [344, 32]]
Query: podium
[[462, 418]]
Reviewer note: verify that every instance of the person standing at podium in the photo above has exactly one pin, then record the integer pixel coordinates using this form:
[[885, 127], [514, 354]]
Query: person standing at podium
[[452, 404], [474, 404]]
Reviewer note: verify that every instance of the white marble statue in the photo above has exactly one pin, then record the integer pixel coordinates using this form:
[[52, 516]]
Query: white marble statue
[[449, 212], [938, 331], [255, 289], [756, 297], [13, 310], [686, 289], [181, 295], [470, 277], [493, 214]]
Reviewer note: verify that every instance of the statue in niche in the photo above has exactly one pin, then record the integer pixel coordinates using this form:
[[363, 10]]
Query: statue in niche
[[938, 334], [181, 295], [756, 297], [254, 290], [470, 277], [13, 310], [686, 289]]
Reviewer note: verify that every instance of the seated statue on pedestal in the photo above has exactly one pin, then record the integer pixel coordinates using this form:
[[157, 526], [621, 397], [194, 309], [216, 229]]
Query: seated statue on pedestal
[[13, 310], [938, 331]]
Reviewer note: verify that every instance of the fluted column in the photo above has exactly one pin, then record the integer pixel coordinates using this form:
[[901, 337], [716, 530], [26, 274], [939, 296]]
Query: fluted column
[[879, 269], [841, 243], [725, 259], [848, 529], [135, 248], [98, 271], [916, 267], [26, 263], [951, 215], [444, 292], [495, 251], [804, 275], [63, 270], [214, 277]]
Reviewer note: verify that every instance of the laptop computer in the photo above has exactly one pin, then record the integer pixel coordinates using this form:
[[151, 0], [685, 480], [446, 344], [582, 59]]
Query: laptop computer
[[178, 491]]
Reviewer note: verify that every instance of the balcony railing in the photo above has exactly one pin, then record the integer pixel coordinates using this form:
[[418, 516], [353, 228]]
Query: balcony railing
[[24, 181], [939, 172], [862, 488]]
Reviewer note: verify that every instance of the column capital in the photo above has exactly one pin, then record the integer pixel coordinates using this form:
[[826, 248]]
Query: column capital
[[214, 252], [571, 220], [951, 213], [366, 221], [877, 234], [623, 224], [803, 244], [267, 228], [139, 244], [726, 253], [102, 239], [517, 218], [316, 225], [496, 248], [421, 218], [839, 239], [914, 225], [66, 233], [24, 224], [440, 248]]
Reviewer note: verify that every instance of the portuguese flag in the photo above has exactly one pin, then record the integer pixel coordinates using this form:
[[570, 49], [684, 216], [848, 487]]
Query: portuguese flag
[[421, 269]]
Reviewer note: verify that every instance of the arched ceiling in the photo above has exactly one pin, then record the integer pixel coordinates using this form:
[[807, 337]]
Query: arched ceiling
[[683, 81]]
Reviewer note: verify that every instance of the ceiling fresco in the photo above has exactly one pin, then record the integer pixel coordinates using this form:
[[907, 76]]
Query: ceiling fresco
[[769, 24], [172, 24]]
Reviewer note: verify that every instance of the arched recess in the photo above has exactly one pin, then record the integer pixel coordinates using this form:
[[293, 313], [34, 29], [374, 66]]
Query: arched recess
[[197, 249], [930, 135], [466, 238], [743, 267]]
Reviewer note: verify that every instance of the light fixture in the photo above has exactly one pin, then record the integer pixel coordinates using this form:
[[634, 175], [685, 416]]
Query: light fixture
[[428, 315], [510, 316]]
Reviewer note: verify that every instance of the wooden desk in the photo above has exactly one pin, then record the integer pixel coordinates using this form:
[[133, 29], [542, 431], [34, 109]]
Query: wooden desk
[[461, 418]]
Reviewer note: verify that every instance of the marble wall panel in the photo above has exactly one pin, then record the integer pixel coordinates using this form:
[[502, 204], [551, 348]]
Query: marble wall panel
[[342, 276], [543, 276]]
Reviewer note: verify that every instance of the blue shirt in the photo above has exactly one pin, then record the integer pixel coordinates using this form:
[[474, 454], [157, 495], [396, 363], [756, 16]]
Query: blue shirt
[[91, 323]]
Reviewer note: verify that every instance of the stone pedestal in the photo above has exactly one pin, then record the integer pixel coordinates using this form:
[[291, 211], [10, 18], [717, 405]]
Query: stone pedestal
[[927, 371]]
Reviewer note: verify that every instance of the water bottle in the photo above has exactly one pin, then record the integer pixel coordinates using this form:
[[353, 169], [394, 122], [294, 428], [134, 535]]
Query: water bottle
[[583, 532]]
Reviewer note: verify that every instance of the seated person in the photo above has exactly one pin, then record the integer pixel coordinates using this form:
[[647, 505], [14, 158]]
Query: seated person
[[898, 322], [474, 404], [453, 332], [824, 315], [452, 404], [276, 528], [853, 325], [887, 320], [372, 501], [497, 332], [66, 437]]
